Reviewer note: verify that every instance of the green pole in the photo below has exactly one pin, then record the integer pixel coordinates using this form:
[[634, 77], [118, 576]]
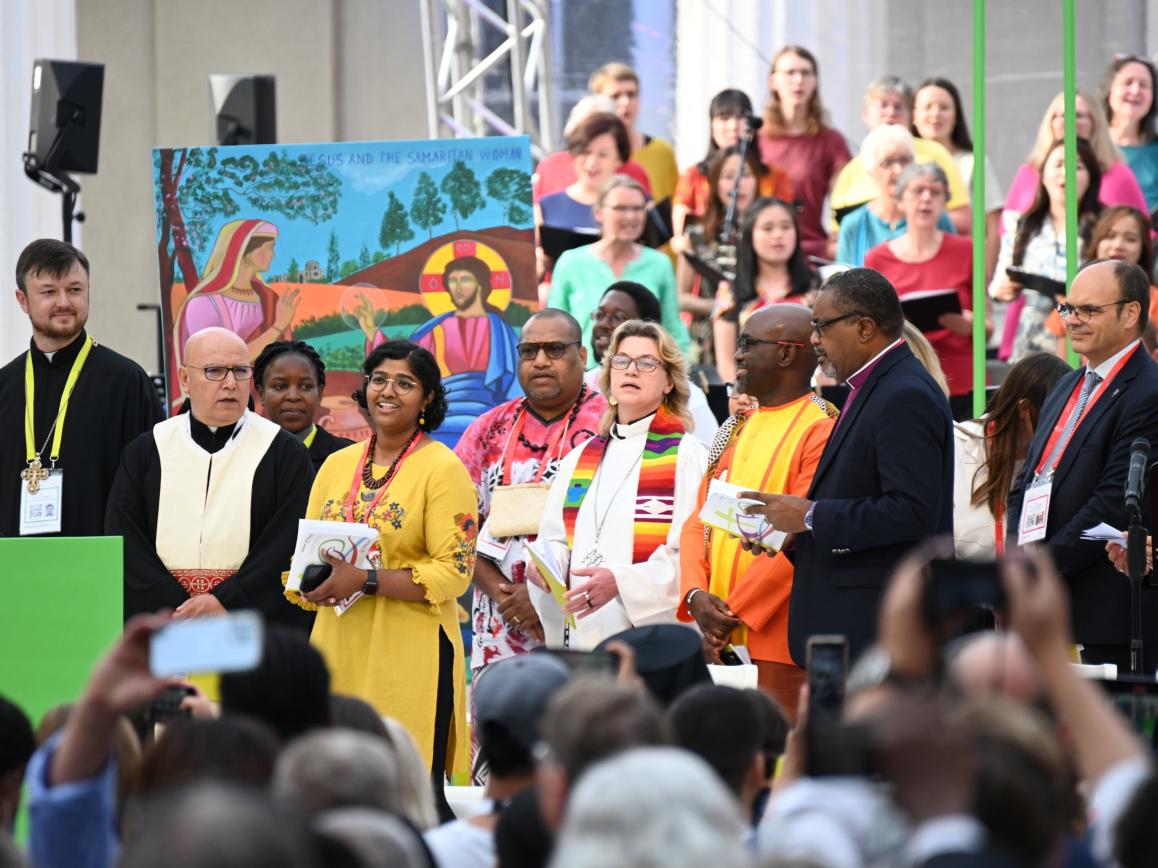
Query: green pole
[[1071, 137], [980, 296]]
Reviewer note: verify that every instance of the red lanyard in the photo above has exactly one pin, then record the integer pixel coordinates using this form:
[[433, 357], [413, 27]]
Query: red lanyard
[[552, 444], [352, 499], [1060, 424]]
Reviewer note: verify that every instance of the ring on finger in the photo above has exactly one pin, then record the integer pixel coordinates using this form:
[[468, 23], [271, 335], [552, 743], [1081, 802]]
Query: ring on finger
[[516, 619], [587, 596], [590, 605]]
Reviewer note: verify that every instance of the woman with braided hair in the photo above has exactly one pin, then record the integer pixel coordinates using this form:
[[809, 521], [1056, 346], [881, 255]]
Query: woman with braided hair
[[290, 377]]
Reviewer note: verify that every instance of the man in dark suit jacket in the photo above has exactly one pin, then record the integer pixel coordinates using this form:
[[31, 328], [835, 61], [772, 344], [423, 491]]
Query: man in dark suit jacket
[[1107, 312], [885, 480]]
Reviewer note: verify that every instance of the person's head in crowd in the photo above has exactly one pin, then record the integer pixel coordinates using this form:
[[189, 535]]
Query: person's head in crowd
[[1009, 424], [1090, 124], [552, 360], [586, 721], [619, 83], [1049, 200], [511, 697], [794, 89], [642, 371], [338, 768], [17, 744], [650, 801], [922, 190], [885, 153], [591, 104], [621, 210], [212, 825], [773, 357], [350, 712], [938, 115], [722, 727], [728, 114], [1021, 789], [887, 100], [214, 375], [414, 776], [232, 749], [1122, 232], [925, 354], [1128, 97], [52, 284], [599, 146], [725, 173], [988, 664], [1108, 308], [623, 300], [856, 315], [289, 690], [773, 727], [376, 839], [1137, 833], [290, 378], [770, 238], [402, 389], [668, 658]]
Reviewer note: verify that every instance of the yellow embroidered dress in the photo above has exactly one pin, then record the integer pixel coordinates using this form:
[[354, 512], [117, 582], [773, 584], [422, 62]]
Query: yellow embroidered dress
[[385, 650]]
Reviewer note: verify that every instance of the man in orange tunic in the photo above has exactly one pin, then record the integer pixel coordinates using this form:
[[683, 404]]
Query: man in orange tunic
[[734, 596]]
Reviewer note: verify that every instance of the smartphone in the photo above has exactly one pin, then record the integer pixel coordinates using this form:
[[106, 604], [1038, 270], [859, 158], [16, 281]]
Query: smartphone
[[224, 643], [586, 662], [957, 586], [827, 664], [1137, 699], [314, 575]]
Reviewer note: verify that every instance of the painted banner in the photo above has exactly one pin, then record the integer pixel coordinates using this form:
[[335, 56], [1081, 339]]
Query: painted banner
[[347, 245]]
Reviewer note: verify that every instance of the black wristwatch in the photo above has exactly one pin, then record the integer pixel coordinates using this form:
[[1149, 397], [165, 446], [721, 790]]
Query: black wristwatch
[[370, 589]]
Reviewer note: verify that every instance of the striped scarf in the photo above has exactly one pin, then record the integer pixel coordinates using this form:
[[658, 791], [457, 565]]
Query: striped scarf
[[655, 495]]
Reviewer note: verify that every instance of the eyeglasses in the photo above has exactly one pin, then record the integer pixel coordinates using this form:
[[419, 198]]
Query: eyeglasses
[[643, 364], [217, 373], [1083, 312], [744, 342], [402, 385], [615, 317], [819, 325], [528, 352]]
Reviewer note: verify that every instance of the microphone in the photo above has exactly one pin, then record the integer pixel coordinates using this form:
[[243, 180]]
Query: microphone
[[1136, 480]]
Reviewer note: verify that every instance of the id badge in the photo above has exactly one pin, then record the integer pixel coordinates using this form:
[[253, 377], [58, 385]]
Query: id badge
[[40, 512], [490, 547], [1034, 512]]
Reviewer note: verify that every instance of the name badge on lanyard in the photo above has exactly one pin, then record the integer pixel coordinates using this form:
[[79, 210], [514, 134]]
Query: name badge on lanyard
[[40, 511], [1035, 511]]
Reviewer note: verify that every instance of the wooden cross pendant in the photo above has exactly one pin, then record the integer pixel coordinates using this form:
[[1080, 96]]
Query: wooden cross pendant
[[34, 474]]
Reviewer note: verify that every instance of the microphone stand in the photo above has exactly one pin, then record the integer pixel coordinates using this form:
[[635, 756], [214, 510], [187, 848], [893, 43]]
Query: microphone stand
[[1136, 565]]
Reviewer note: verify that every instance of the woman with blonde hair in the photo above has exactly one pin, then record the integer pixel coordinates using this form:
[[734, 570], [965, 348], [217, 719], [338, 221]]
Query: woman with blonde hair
[[641, 473], [1118, 187]]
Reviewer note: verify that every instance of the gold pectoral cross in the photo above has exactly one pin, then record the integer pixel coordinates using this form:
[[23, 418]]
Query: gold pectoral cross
[[34, 474]]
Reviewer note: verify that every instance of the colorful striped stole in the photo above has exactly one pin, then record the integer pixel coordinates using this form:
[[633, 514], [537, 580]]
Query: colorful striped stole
[[655, 494]]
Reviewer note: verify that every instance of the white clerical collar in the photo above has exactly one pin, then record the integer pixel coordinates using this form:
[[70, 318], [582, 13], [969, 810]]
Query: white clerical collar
[[872, 361], [1103, 370], [624, 430]]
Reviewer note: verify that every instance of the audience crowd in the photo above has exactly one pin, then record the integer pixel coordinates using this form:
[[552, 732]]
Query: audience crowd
[[840, 623]]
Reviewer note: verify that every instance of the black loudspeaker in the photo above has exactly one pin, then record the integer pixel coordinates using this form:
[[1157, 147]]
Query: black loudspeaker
[[244, 109], [65, 130]]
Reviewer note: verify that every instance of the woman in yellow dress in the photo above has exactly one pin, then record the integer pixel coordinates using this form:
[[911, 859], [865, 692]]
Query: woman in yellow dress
[[399, 648]]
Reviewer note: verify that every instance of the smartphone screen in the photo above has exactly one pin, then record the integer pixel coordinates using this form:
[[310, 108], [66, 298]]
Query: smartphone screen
[[956, 586], [225, 643], [1137, 699], [827, 671]]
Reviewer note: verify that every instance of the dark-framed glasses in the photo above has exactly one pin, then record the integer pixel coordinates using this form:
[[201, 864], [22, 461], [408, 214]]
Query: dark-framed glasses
[[746, 341], [402, 385], [1083, 312], [643, 364], [819, 325], [217, 373], [529, 351]]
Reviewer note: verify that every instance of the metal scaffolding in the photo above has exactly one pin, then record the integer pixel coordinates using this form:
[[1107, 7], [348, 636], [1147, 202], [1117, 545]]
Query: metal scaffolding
[[453, 34]]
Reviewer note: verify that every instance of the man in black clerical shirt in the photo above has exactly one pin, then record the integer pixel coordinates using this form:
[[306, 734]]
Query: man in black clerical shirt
[[208, 502], [110, 401]]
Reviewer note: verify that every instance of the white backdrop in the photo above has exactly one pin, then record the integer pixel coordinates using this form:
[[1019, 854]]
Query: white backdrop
[[28, 29]]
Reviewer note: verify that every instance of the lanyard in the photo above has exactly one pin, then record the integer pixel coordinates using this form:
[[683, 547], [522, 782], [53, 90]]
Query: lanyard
[[1060, 425], [309, 441], [30, 404], [352, 499], [552, 444]]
